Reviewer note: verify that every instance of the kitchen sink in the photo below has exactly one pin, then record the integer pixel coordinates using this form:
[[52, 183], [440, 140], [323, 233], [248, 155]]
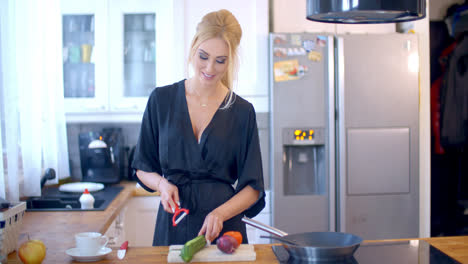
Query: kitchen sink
[[54, 200], [46, 203]]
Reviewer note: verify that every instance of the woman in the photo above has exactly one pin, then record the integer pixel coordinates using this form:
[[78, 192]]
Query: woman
[[198, 139]]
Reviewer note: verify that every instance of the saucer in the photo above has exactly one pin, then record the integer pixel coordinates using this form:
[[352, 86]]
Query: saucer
[[75, 254]]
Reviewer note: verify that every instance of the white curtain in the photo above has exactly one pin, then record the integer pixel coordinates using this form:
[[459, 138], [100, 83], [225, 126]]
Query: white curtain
[[33, 129]]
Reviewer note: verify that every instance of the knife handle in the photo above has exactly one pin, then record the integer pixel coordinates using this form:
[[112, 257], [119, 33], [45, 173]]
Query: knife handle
[[124, 245]]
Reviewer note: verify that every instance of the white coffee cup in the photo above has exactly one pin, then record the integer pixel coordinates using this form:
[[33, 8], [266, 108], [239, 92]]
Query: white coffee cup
[[90, 243]]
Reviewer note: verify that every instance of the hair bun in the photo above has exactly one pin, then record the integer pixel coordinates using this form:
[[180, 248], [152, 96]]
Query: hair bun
[[220, 23]]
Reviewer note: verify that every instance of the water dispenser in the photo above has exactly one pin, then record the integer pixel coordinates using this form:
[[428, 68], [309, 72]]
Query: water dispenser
[[304, 161]]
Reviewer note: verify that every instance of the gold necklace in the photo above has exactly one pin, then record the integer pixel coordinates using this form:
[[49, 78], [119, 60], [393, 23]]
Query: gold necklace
[[199, 101], [199, 96]]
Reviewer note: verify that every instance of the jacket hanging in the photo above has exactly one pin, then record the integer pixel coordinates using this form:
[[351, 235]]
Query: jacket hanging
[[454, 98]]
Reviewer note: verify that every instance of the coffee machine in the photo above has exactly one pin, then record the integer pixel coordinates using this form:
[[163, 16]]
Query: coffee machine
[[102, 155]]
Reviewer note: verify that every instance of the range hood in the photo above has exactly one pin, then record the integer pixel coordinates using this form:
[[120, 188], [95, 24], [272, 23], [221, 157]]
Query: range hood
[[365, 11]]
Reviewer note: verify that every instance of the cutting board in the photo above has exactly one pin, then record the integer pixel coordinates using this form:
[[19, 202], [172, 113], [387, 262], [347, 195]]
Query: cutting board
[[212, 254]]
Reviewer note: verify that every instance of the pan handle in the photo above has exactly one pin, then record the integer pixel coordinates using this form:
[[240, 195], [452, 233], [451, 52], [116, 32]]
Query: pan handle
[[282, 239], [262, 226]]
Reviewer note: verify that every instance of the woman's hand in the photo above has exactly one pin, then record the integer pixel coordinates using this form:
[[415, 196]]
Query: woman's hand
[[212, 225], [169, 195]]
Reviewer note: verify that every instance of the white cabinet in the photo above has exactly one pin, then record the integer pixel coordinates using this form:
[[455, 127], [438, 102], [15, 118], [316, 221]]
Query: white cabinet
[[264, 217], [140, 220], [115, 52], [84, 34], [135, 223]]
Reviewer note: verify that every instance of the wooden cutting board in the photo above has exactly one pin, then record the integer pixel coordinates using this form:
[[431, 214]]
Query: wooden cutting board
[[212, 254]]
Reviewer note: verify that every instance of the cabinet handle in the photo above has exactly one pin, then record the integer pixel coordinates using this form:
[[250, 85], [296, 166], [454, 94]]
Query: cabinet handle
[[126, 107], [112, 241], [95, 107]]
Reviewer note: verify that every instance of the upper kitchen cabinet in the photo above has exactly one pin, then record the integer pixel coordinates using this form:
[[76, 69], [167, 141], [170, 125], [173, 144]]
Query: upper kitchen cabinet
[[84, 55], [115, 53]]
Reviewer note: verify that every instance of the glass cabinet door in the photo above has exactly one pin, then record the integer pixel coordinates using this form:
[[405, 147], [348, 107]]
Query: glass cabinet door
[[141, 50], [78, 59], [84, 38], [139, 54], [115, 52]]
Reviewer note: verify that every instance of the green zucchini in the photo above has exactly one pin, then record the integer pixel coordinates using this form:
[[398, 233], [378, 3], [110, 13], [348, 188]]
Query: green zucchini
[[192, 247]]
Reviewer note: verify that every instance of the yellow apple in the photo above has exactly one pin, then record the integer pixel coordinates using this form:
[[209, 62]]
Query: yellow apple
[[32, 252]]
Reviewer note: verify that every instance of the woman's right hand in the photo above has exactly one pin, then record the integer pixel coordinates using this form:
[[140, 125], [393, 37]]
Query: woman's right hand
[[169, 195]]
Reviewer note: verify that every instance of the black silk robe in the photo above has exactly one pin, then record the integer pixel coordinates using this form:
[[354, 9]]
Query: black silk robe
[[205, 172]]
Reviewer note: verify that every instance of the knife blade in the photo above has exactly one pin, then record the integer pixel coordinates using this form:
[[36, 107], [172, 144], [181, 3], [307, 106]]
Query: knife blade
[[123, 249]]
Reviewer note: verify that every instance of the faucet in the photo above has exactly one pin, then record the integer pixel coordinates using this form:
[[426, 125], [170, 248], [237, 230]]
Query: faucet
[[49, 174]]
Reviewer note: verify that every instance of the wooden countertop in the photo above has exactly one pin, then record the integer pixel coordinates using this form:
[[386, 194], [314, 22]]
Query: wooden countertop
[[57, 229], [139, 191]]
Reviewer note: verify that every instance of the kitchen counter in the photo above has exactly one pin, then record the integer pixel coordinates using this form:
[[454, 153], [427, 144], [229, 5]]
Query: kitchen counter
[[57, 229]]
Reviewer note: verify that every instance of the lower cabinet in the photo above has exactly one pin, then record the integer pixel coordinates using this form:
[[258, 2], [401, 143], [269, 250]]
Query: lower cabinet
[[135, 223], [140, 220], [264, 217], [115, 232]]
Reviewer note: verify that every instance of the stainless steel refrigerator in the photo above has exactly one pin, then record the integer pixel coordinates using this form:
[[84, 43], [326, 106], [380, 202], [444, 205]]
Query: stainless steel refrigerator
[[344, 134]]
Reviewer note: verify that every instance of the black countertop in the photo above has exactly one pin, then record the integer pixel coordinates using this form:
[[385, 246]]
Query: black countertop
[[408, 252]]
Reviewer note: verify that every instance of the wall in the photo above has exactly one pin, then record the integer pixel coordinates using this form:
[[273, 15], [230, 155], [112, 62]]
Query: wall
[[130, 132], [289, 16]]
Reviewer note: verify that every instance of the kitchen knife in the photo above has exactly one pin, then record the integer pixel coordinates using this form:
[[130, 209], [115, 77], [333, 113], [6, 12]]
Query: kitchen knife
[[123, 249]]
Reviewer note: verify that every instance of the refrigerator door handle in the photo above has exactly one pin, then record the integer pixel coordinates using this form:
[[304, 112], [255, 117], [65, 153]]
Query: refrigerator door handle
[[331, 135], [341, 144]]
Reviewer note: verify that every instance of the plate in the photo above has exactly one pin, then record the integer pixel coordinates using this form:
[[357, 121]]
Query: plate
[[75, 254], [81, 186]]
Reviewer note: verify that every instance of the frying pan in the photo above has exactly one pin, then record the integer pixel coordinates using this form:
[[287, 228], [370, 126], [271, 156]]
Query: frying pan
[[313, 246]]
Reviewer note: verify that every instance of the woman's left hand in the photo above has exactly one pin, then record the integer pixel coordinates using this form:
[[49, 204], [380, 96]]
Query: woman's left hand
[[212, 225]]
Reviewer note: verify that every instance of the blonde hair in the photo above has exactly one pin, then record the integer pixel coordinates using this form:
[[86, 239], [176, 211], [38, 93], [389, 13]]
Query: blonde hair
[[221, 24]]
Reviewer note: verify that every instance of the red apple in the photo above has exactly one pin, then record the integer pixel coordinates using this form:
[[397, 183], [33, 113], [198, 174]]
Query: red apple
[[32, 252]]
